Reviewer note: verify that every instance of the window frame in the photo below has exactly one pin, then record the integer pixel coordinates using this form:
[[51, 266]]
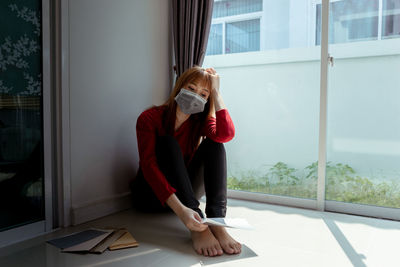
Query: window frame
[[37, 228], [380, 18], [237, 18], [389, 46]]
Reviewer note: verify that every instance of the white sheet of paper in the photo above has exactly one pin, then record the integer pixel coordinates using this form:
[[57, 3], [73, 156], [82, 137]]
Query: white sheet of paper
[[228, 222]]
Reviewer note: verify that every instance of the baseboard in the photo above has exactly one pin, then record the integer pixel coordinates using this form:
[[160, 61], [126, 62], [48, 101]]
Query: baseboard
[[100, 208]]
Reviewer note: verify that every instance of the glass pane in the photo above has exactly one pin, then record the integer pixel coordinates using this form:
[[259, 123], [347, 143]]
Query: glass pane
[[391, 19], [364, 128], [21, 151], [275, 105], [214, 46], [351, 21], [225, 8], [275, 148], [276, 25], [243, 36]]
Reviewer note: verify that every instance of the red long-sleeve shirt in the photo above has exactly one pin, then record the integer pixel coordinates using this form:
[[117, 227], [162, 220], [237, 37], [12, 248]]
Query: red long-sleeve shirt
[[149, 125]]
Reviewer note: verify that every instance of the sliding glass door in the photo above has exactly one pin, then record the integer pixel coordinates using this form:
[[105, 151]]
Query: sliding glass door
[[269, 64], [25, 143], [315, 110], [363, 144]]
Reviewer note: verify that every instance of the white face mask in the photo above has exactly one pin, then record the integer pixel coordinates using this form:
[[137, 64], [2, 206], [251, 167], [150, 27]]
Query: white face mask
[[189, 102]]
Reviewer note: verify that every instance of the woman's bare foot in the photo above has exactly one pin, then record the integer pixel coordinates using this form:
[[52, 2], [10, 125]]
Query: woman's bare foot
[[205, 243], [228, 244]]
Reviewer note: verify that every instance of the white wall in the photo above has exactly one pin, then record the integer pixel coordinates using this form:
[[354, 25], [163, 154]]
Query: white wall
[[120, 64]]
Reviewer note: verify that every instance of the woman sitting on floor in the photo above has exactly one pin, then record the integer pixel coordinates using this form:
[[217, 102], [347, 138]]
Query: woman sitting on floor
[[177, 142]]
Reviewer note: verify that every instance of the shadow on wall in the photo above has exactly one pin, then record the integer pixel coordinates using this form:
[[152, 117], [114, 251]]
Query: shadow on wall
[[125, 159]]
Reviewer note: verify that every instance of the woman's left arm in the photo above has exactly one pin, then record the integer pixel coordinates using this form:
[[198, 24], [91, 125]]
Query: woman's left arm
[[220, 127], [218, 101]]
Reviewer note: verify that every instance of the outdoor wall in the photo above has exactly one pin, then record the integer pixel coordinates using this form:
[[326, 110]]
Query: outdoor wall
[[273, 97], [119, 65]]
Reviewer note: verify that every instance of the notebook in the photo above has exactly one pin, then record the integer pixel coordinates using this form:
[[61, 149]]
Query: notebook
[[87, 246], [76, 238], [103, 245], [95, 241], [125, 241]]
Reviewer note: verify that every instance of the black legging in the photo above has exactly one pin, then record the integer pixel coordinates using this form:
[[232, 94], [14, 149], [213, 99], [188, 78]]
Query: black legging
[[210, 157]]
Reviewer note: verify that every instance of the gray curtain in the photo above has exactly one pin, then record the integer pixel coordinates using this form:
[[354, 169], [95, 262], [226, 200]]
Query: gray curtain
[[191, 26]]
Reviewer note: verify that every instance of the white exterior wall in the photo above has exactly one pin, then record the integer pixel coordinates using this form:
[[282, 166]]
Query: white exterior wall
[[301, 17], [275, 24]]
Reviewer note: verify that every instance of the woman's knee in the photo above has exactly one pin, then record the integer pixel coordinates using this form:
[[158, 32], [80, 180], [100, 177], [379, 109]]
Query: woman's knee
[[169, 156], [213, 147]]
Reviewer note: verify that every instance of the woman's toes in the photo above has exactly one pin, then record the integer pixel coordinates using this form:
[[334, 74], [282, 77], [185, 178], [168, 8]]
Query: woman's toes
[[228, 249], [199, 251], [205, 252], [211, 252], [233, 247], [237, 249]]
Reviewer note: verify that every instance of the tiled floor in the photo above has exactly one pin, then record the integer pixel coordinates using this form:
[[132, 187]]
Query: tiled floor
[[283, 237]]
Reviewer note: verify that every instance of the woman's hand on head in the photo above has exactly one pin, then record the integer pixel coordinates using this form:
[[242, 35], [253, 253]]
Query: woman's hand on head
[[192, 220], [211, 71], [215, 79]]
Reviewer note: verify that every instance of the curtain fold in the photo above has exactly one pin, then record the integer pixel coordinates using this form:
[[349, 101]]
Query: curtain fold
[[191, 27]]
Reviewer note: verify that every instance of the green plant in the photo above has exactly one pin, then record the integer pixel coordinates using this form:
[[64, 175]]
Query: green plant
[[342, 184], [282, 173], [338, 172]]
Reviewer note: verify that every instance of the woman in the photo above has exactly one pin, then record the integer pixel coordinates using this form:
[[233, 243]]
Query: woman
[[176, 141]]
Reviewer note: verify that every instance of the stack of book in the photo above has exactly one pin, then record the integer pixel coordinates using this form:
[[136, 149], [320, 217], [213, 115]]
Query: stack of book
[[95, 241]]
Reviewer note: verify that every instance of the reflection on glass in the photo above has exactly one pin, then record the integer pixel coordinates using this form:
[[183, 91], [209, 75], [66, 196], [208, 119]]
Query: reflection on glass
[[255, 25], [243, 36], [351, 21], [235, 7], [391, 19], [21, 145], [214, 46]]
